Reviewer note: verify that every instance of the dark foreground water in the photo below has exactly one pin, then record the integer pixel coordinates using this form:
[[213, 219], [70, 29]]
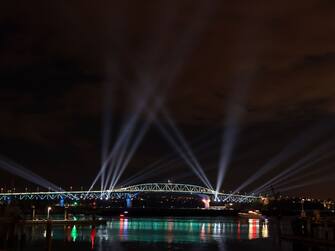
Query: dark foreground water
[[224, 234]]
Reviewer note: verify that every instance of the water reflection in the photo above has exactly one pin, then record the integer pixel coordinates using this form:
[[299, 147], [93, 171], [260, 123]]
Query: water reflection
[[159, 233], [265, 229], [169, 230], [253, 229], [185, 230]]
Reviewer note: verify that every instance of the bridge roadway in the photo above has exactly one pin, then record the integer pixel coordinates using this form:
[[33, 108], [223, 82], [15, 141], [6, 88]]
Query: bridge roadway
[[130, 192]]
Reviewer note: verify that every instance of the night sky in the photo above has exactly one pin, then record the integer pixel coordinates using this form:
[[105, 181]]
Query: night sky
[[273, 63]]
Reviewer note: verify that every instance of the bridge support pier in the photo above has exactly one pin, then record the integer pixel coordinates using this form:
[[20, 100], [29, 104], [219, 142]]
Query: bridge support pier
[[129, 202], [33, 216], [66, 213]]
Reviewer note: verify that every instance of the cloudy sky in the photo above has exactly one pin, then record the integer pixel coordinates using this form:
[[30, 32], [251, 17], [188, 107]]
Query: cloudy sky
[[271, 63]]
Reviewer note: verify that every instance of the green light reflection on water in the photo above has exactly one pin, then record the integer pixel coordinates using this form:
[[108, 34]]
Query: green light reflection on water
[[74, 233]]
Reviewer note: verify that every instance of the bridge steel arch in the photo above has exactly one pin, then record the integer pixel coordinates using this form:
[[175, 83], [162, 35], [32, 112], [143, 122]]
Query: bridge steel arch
[[167, 188]]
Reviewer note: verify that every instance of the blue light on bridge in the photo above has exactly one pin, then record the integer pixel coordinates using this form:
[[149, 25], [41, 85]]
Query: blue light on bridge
[[61, 202]]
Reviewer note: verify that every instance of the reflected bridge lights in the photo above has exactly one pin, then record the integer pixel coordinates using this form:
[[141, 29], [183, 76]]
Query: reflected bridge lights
[[258, 229], [265, 229], [253, 229]]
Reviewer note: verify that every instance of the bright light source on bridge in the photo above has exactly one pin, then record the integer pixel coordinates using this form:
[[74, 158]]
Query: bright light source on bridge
[[216, 199], [206, 203]]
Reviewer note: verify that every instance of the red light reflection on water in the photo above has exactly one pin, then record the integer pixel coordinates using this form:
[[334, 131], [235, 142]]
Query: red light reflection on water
[[121, 228], [68, 234], [93, 233], [169, 235], [253, 229]]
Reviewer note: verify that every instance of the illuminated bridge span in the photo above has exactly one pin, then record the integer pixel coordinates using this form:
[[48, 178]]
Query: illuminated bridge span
[[129, 192]]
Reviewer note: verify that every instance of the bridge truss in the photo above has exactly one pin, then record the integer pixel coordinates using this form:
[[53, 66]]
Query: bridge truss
[[130, 192]]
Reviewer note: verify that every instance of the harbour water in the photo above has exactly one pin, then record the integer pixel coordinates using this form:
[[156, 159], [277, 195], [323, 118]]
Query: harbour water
[[171, 233]]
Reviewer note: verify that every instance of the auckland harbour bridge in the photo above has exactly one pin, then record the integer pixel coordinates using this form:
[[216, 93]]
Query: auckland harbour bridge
[[130, 192]]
